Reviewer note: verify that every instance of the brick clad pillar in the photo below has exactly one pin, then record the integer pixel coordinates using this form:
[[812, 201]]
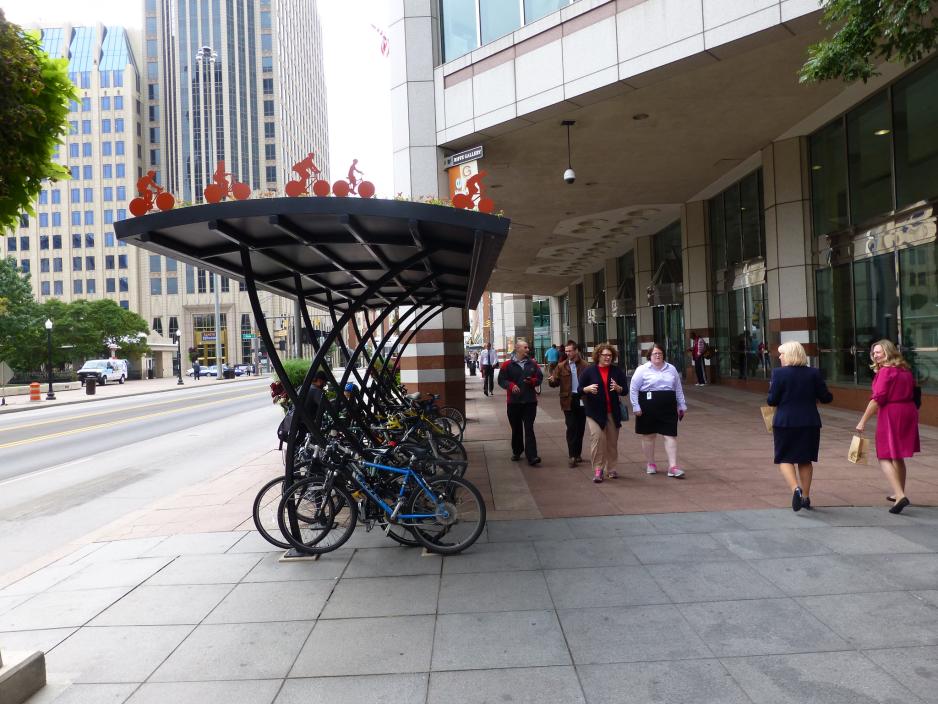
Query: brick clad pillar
[[434, 360]]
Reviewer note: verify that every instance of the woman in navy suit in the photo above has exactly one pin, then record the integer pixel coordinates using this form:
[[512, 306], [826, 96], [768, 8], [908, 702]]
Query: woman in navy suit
[[795, 390]]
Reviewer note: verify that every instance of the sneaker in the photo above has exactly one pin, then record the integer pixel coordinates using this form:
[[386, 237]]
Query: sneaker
[[571, 463], [578, 459], [598, 477], [796, 500], [613, 474], [651, 468], [676, 472]]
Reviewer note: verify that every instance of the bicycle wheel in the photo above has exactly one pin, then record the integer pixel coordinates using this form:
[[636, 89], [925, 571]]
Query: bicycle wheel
[[458, 515], [324, 523], [265, 512], [450, 448], [454, 414]]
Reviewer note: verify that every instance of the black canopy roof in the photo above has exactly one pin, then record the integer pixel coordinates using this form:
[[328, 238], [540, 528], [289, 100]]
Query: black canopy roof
[[340, 245]]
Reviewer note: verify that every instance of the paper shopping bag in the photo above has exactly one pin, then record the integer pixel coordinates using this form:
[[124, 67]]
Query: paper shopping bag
[[859, 446], [768, 415]]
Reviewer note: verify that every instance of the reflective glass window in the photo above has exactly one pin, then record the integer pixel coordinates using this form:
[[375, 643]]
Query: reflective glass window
[[918, 270], [733, 225], [156, 287], [90, 285], [876, 307], [498, 18], [76, 286], [459, 28], [915, 119], [869, 159], [535, 9]]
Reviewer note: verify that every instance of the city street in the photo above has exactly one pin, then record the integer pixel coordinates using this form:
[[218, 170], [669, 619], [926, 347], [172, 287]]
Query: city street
[[68, 470]]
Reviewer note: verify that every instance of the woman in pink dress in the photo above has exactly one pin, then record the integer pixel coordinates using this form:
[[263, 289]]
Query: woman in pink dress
[[897, 427]]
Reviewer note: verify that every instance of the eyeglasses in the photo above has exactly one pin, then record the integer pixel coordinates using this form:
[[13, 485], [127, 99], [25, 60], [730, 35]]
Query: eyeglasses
[[605, 355]]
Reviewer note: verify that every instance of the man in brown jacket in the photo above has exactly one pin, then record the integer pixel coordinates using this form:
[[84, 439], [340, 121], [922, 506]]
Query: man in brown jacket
[[566, 376]]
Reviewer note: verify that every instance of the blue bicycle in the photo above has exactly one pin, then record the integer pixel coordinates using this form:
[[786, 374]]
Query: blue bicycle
[[318, 514]]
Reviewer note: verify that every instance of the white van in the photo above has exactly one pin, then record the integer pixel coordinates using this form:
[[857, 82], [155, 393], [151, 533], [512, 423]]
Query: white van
[[101, 371]]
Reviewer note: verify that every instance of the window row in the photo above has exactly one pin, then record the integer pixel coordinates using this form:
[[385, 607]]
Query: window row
[[118, 170], [737, 223], [107, 102]]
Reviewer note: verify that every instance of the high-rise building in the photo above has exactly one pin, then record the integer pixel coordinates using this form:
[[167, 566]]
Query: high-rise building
[[233, 81], [69, 246]]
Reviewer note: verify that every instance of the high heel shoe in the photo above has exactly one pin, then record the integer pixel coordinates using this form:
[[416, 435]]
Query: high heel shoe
[[899, 505]]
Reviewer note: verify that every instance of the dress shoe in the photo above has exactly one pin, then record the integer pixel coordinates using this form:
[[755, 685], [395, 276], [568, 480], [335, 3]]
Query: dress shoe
[[806, 502], [900, 504], [534, 461], [572, 462], [796, 500], [515, 458], [578, 459]]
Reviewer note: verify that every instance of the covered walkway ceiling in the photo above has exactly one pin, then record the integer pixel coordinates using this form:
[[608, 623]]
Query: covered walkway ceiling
[[640, 150], [332, 250]]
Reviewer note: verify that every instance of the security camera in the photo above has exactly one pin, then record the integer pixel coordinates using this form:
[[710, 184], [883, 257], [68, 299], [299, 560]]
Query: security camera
[[569, 176]]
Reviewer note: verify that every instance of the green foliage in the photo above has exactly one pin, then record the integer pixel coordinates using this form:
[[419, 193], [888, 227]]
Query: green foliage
[[19, 315], [296, 370], [868, 31], [34, 94]]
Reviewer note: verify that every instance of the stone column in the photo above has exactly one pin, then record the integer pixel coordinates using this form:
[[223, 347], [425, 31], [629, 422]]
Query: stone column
[[414, 37], [576, 315], [517, 320], [788, 245], [434, 363], [644, 271], [557, 335], [695, 258]]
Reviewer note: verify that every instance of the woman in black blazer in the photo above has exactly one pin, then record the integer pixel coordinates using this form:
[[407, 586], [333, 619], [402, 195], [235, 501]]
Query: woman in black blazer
[[602, 384], [795, 390]]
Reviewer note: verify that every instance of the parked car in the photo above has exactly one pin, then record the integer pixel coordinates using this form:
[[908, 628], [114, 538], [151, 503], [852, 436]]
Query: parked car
[[101, 371], [213, 370]]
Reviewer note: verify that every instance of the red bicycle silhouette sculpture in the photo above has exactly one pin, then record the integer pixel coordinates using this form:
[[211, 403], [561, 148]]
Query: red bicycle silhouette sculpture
[[151, 196], [307, 180], [353, 185], [474, 197], [223, 185]]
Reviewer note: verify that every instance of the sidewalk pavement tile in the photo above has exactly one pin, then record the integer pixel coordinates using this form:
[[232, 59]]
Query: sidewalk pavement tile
[[112, 654], [122, 549], [366, 646], [271, 569], [610, 526], [116, 573], [253, 541], [533, 685], [60, 609], [67, 693], [832, 678], [846, 516], [493, 557], [382, 562], [881, 620], [654, 632], [652, 549], [242, 692], [196, 544], [759, 627], [862, 541], [500, 639], [383, 596], [8, 602], [765, 544], [206, 569], [368, 689], [712, 581], [916, 668], [44, 640], [926, 536], [824, 574], [683, 682], [42, 579], [904, 571], [272, 601], [516, 531], [235, 651], [156, 605], [693, 522], [493, 591], [775, 518], [603, 586], [586, 552], [931, 596]]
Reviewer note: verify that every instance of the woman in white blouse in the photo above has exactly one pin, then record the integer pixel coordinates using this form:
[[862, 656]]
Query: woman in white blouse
[[658, 404]]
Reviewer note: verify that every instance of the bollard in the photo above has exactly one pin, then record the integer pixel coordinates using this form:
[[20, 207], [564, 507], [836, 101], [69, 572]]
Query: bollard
[[34, 393]]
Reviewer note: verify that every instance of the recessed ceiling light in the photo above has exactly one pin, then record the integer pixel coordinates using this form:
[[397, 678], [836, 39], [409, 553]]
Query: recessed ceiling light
[[640, 116], [880, 133]]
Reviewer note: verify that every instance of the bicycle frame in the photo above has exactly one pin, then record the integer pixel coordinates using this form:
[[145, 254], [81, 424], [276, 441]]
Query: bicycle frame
[[406, 472]]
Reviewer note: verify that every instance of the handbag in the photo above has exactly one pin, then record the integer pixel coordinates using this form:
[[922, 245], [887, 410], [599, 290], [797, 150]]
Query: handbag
[[623, 409], [768, 416], [859, 446]]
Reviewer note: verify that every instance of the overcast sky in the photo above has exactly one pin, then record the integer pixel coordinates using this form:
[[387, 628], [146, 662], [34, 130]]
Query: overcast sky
[[357, 81]]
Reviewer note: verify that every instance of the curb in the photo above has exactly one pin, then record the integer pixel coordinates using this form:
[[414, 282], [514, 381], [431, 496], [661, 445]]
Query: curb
[[22, 409]]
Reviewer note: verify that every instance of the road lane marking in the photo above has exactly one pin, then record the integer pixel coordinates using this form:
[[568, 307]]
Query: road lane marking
[[40, 472], [111, 424], [102, 413]]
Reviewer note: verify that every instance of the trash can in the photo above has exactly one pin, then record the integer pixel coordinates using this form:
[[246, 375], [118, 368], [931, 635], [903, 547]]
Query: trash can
[[229, 374], [150, 373], [91, 385]]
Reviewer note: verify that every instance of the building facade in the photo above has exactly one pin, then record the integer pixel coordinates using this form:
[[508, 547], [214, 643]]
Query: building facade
[[713, 192]]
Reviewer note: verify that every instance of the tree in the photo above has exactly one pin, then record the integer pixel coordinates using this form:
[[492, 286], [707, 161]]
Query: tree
[[89, 326], [34, 94], [19, 315], [868, 31]]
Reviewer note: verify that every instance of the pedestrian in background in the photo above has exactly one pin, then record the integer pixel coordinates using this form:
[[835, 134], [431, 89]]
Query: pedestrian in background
[[657, 399], [897, 426], [552, 356], [196, 370], [603, 383], [565, 375], [794, 391], [488, 360], [471, 360], [520, 375], [697, 349]]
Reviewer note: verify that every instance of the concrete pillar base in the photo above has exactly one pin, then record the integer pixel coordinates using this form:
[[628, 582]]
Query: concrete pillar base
[[22, 674]]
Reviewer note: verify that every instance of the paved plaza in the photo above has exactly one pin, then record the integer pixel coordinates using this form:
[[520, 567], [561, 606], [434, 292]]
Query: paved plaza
[[644, 589]]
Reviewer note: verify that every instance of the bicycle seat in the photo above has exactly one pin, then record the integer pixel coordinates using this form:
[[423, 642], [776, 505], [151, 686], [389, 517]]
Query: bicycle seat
[[414, 396]]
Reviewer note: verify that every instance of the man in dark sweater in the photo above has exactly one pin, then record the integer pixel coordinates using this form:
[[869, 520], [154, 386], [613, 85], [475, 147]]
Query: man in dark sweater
[[521, 377]]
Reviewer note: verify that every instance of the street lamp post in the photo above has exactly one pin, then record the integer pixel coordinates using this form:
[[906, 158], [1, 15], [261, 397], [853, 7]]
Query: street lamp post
[[51, 395], [180, 382]]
